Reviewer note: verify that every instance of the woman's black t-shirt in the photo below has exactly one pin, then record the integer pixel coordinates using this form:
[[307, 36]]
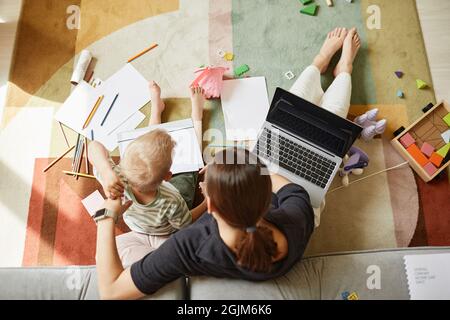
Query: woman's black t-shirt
[[199, 250]]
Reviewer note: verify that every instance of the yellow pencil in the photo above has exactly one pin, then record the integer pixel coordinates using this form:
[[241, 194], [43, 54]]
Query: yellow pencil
[[70, 173], [57, 159], [143, 52], [94, 109]]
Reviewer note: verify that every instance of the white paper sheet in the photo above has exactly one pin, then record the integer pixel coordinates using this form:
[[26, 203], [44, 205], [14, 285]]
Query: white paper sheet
[[110, 141], [428, 276], [93, 202], [187, 156], [245, 106]]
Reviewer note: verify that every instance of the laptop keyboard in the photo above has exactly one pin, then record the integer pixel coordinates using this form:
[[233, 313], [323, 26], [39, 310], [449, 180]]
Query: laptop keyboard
[[299, 160]]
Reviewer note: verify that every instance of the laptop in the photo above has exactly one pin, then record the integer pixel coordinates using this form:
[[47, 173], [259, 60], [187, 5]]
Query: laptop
[[304, 143]]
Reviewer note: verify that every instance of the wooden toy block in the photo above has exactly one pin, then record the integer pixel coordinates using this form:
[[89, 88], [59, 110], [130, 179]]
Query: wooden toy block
[[400, 94], [289, 75], [447, 119], [345, 295], [399, 74], [430, 169], [407, 140], [444, 150], [415, 152], [421, 84], [229, 56], [310, 10], [239, 71], [446, 136], [436, 159], [330, 3], [305, 1], [427, 149], [353, 296]]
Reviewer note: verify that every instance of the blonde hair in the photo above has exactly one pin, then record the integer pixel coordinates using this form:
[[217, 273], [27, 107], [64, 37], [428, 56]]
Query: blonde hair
[[147, 160]]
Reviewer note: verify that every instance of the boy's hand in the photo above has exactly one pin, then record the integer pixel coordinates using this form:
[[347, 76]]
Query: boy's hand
[[112, 185]]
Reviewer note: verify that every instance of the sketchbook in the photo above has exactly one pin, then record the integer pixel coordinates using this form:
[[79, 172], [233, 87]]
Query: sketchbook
[[428, 276], [187, 154]]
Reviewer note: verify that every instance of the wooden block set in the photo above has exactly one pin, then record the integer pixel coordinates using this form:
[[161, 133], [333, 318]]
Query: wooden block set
[[425, 144]]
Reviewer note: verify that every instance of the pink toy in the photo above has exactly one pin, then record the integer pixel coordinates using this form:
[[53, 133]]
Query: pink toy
[[211, 80], [427, 149], [430, 169], [407, 140]]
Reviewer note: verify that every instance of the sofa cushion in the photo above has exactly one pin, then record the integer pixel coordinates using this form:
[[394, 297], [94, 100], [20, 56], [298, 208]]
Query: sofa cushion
[[322, 277]]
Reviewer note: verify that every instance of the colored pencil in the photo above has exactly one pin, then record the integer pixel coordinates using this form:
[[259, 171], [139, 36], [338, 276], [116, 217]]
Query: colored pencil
[[143, 52], [64, 134], [86, 154], [80, 157], [109, 110], [57, 159], [70, 173], [77, 145], [92, 134], [91, 114]]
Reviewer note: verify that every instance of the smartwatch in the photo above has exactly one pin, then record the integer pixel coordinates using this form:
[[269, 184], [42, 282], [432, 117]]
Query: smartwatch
[[105, 213]]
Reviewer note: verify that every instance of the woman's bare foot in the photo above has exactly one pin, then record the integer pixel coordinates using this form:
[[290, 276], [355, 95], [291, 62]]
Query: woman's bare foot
[[158, 105], [198, 102], [332, 44], [351, 46]]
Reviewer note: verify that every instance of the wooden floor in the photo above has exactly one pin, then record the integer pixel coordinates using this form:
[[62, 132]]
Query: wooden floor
[[434, 16]]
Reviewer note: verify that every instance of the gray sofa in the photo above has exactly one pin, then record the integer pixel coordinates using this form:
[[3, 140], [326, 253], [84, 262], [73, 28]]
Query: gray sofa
[[318, 277]]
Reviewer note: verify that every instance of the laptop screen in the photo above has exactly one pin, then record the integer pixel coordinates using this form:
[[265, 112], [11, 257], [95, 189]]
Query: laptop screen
[[312, 123]]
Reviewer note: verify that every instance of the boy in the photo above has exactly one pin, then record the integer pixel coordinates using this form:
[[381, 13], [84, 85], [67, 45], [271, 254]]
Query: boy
[[160, 201]]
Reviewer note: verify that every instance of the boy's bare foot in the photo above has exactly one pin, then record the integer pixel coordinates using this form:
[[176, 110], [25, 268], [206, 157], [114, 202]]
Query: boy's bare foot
[[198, 102], [158, 105], [352, 43], [332, 44]]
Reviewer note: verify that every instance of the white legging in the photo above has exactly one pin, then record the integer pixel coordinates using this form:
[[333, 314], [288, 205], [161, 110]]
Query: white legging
[[336, 99]]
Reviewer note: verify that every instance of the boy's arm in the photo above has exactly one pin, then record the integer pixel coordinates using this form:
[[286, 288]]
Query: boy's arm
[[198, 211], [99, 158]]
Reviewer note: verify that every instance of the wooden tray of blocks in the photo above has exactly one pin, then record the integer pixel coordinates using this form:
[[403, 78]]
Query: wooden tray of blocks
[[425, 143]]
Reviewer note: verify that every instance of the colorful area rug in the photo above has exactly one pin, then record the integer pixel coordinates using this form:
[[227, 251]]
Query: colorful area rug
[[42, 221]]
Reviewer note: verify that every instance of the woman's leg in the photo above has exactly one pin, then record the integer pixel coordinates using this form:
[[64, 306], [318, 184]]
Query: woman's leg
[[337, 98], [308, 86]]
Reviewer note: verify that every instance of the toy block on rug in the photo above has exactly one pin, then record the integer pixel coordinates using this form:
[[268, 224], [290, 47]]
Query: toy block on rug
[[399, 74], [421, 84], [310, 10]]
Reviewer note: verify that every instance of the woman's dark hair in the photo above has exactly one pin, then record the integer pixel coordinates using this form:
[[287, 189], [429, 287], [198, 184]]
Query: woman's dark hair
[[241, 193]]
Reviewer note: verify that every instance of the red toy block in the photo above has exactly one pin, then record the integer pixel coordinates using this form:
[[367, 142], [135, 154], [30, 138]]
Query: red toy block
[[415, 152], [430, 169], [436, 159], [407, 140], [427, 149]]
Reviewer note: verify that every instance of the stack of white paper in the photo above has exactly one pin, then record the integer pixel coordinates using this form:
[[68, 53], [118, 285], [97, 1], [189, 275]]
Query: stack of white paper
[[245, 106], [428, 276], [187, 156], [133, 92]]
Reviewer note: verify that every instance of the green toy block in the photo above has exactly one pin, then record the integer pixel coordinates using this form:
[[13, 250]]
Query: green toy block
[[421, 84], [310, 10], [305, 1], [447, 119], [444, 150], [239, 71]]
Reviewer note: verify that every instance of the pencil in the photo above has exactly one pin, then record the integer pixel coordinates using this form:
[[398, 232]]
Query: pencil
[[79, 174], [94, 109], [143, 52], [64, 134], [77, 145], [57, 159], [80, 157], [92, 134], [86, 154], [109, 110]]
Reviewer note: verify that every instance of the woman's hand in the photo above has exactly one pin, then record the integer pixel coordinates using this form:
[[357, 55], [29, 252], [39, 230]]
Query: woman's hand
[[116, 206], [112, 186]]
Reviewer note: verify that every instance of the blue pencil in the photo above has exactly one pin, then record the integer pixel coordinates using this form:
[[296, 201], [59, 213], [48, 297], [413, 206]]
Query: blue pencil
[[92, 134], [109, 110]]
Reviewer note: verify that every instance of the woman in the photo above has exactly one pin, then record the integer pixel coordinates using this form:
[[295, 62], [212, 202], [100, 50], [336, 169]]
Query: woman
[[250, 233]]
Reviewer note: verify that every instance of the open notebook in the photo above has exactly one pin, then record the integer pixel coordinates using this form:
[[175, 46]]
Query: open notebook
[[187, 156]]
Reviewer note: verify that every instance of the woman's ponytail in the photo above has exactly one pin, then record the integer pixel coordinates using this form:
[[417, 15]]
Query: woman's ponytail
[[256, 250]]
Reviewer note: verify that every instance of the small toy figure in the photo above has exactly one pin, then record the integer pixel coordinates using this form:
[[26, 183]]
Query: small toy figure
[[370, 125], [354, 163]]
